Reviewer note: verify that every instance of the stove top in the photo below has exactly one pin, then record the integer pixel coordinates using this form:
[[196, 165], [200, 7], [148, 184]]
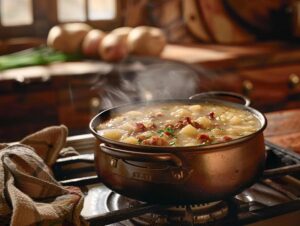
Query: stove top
[[275, 197]]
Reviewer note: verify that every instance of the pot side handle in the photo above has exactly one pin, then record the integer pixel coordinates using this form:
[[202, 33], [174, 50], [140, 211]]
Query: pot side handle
[[172, 175], [140, 156], [218, 94]]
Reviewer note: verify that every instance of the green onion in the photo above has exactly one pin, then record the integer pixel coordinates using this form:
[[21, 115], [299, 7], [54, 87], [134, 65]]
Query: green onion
[[35, 56], [160, 131], [172, 143], [170, 130]]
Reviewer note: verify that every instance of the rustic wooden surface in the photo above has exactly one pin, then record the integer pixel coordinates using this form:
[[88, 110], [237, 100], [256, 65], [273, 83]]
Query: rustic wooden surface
[[215, 56], [284, 128], [274, 79], [254, 54]]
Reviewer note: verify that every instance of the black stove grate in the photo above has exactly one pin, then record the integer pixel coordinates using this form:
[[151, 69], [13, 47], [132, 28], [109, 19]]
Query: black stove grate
[[280, 162]]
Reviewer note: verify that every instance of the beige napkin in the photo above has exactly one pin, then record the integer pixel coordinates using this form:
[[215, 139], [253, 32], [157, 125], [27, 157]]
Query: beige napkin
[[29, 195]]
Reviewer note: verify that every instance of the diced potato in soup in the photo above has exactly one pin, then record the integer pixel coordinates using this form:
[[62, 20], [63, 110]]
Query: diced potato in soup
[[204, 121], [189, 130], [195, 108], [131, 140], [114, 134], [179, 125]]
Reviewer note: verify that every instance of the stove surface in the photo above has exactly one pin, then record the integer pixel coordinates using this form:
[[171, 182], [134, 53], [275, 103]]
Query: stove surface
[[100, 201], [273, 200]]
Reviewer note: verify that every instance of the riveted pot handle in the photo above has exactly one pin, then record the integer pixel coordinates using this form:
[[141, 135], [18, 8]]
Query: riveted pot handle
[[175, 174], [140, 156], [217, 94]]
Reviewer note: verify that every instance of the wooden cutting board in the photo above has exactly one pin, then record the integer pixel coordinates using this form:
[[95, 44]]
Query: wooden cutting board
[[234, 56]]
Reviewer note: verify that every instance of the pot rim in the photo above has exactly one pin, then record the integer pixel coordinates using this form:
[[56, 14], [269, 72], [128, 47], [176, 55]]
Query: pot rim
[[131, 106]]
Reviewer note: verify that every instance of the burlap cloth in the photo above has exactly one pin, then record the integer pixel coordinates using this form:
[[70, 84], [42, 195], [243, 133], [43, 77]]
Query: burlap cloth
[[29, 194]]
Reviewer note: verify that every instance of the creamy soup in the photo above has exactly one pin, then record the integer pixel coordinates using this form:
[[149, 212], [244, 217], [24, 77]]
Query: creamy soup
[[179, 125]]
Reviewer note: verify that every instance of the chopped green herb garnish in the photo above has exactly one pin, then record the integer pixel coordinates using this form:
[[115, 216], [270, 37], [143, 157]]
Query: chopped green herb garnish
[[160, 132], [170, 130], [172, 143]]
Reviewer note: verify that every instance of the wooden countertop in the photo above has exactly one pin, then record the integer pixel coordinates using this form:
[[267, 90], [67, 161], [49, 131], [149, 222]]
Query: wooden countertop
[[219, 56], [284, 129], [214, 56]]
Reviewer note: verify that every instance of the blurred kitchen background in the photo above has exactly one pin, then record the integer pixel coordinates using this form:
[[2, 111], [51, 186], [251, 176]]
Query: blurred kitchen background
[[62, 61]]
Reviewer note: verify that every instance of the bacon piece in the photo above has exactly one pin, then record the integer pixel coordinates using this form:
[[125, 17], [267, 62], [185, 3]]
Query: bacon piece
[[155, 140], [153, 126], [187, 120], [179, 125], [204, 138], [197, 125], [227, 138], [168, 134], [140, 127], [141, 137], [212, 115]]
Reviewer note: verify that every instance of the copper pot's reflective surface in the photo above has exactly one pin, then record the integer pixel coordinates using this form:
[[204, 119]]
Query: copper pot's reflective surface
[[180, 175]]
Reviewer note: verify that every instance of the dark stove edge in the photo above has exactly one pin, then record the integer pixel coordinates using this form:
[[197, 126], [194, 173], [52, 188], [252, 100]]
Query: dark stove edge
[[268, 212]]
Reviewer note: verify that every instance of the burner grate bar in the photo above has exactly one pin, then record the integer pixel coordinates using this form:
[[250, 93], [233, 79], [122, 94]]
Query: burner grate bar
[[82, 181], [284, 151], [279, 188], [268, 212], [282, 171], [123, 214]]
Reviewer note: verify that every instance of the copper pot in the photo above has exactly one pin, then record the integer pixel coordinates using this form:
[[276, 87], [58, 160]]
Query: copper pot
[[181, 175]]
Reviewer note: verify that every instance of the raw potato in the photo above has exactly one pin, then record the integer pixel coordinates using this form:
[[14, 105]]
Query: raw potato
[[189, 130], [91, 43], [123, 32], [145, 40], [113, 48], [68, 37]]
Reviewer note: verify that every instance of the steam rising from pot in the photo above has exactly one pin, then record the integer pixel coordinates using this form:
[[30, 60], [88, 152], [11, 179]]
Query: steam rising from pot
[[146, 79]]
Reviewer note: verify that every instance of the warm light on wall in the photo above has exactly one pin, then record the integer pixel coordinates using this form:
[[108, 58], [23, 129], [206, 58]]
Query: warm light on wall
[[16, 12]]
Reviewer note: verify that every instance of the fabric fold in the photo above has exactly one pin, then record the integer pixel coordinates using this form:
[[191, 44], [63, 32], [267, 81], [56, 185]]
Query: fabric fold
[[29, 194]]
